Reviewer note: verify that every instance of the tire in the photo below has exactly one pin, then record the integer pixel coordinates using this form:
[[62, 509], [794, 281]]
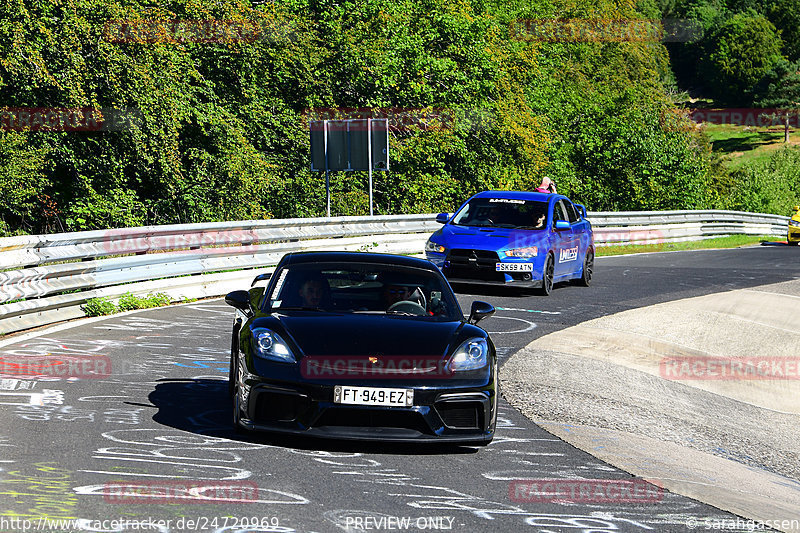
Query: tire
[[588, 269], [547, 277], [237, 413], [234, 354], [793, 243], [231, 379], [233, 394]]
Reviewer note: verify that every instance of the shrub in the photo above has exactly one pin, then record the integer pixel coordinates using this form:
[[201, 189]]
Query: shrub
[[99, 307], [127, 302]]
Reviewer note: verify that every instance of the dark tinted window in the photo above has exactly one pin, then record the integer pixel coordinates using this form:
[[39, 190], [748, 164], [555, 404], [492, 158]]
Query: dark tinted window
[[559, 213], [355, 287], [503, 213], [572, 213]]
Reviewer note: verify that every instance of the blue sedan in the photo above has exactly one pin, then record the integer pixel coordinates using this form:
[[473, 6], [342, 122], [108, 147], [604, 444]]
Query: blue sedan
[[525, 239]]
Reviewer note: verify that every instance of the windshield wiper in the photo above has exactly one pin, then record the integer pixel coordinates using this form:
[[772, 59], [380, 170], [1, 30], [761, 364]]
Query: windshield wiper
[[297, 308]]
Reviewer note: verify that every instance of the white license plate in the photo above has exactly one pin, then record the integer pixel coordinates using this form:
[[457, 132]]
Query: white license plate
[[373, 396], [513, 267]]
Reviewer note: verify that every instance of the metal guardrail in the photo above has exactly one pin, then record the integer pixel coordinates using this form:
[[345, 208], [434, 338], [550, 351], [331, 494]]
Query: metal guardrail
[[642, 227], [46, 278]]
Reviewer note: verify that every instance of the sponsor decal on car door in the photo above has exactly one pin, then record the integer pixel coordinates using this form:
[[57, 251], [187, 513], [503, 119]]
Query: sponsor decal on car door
[[566, 245]]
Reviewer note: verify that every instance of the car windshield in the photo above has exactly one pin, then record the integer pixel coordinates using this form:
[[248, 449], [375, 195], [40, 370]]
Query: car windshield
[[363, 288], [503, 213]]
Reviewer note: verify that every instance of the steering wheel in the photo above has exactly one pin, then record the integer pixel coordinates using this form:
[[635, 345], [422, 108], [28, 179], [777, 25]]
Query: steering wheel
[[406, 306]]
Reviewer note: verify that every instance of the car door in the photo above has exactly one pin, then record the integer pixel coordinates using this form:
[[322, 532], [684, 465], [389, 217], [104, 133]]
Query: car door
[[566, 248], [580, 239]]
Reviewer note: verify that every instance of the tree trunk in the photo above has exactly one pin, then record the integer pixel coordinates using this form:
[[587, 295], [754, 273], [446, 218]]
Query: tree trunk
[[786, 128]]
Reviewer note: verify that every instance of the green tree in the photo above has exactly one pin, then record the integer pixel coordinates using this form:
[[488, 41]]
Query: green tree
[[741, 52], [785, 15]]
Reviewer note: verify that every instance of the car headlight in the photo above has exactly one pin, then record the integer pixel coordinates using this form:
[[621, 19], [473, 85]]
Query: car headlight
[[795, 223], [270, 345], [471, 355], [523, 253], [431, 246]]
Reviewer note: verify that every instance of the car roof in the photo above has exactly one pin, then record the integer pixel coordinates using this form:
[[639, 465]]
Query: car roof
[[296, 258], [518, 195]]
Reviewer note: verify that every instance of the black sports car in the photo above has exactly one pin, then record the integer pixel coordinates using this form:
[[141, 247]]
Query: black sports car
[[361, 346]]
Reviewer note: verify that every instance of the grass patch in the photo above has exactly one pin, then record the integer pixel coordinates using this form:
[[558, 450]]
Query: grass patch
[[742, 145], [127, 302], [731, 241]]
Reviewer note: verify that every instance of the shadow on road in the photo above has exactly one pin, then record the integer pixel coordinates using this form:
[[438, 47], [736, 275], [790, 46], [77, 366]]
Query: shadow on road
[[202, 406], [499, 291]]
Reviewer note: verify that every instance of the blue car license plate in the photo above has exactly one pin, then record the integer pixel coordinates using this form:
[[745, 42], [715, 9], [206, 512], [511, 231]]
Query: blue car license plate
[[513, 267]]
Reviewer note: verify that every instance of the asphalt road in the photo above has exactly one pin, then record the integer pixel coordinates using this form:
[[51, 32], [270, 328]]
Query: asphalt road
[[159, 417]]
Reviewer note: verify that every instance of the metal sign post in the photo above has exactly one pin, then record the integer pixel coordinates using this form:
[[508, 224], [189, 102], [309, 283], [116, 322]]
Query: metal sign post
[[327, 172], [369, 151]]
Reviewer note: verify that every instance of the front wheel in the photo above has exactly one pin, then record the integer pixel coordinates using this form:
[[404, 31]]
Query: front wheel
[[588, 269], [547, 277], [237, 413]]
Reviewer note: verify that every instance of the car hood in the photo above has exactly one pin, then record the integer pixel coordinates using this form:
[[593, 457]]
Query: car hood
[[477, 238], [366, 335]]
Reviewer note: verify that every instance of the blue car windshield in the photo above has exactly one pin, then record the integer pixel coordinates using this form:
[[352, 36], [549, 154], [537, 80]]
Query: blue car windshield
[[367, 288], [503, 213]]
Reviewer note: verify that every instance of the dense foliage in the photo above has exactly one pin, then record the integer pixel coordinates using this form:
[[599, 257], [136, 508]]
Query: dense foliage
[[221, 128]]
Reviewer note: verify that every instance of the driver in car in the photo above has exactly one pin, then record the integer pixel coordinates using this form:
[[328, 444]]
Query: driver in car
[[395, 293]]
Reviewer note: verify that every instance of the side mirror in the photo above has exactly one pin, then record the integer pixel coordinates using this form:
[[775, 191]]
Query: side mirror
[[238, 299], [442, 218], [479, 311], [797, 208], [562, 225]]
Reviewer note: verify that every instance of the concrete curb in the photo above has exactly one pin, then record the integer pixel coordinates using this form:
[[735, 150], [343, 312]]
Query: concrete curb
[[734, 444]]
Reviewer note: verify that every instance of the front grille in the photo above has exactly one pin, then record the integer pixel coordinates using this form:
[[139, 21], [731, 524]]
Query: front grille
[[480, 254], [279, 407], [461, 415], [350, 417], [473, 264]]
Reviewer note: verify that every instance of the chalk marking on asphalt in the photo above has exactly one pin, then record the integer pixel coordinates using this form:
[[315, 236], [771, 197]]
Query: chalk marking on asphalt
[[528, 310], [531, 325]]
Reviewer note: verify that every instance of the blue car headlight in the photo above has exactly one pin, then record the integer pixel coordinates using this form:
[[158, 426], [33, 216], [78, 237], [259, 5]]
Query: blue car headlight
[[523, 253], [471, 355], [431, 246], [795, 223], [270, 345]]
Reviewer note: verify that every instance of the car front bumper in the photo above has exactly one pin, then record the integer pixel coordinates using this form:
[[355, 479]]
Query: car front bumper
[[463, 414], [482, 272]]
